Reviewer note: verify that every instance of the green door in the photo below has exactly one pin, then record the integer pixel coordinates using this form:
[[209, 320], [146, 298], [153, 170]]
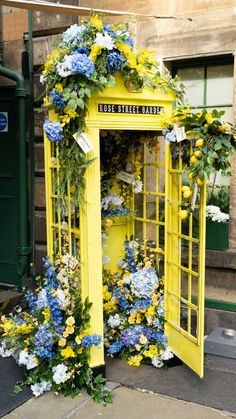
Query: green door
[[9, 206]]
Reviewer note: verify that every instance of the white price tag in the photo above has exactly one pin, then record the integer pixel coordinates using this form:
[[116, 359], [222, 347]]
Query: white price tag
[[194, 198], [125, 176], [180, 133], [83, 141]]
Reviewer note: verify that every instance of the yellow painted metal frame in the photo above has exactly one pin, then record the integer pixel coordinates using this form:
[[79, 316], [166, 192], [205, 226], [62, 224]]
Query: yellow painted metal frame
[[88, 236]]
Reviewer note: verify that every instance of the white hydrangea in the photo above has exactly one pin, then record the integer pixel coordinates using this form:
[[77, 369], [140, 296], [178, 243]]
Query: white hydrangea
[[104, 40], [27, 359], [157, 362], [60, 374], [64, 68], [40, 388], [114, 321], [138, 185], [62, 276], [105, 259], [4, 352], [166, 354], [73, 33], [113, 199], [214, 213], [70, 261], [62, 298], [144, 282]]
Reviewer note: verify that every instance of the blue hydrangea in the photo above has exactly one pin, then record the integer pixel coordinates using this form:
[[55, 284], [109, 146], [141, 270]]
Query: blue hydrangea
[[160, 337], [116, 212], [130, 257], [57, 99], [165, 131], [31, 300], [144, 282], [53, 131], [140, 304], [81, 64], [171, 137], [114, 348], [129, 41], [90, 340], [108, 29], [55, 309], [43, 341], [51, 277], [131, 336], [114, 61]]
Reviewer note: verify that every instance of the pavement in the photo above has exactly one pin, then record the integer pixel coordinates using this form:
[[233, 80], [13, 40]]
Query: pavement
[[147, 393], [127, 404]]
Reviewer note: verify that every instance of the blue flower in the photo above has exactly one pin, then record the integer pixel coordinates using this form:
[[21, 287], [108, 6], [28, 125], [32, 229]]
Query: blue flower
[[130, 42], [31, 300], [143, 303], [90, 340], [43, 341], [53, 131], [114, 348], [171, 137], [55, 309], [114, 62], [81, 64], [57, 99], [82, 51], [165, 131], [107, 28], [73, 33], [116, 212], [160, 337]]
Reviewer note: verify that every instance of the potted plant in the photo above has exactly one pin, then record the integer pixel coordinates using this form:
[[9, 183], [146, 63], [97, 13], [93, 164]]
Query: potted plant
[[217, 218]]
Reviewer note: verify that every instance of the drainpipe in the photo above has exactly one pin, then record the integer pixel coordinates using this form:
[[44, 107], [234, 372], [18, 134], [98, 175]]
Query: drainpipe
[[23, 249]]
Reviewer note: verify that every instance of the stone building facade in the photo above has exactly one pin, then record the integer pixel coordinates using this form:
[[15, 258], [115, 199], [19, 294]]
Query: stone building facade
[[203, 33]]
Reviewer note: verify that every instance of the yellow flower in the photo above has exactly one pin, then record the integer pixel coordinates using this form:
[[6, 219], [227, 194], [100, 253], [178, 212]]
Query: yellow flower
[[109, 222], [106, 294], [70, 113], [134, 361], [78, 340], [70, 321], [62, 342], [138, 347], [138, 318], [197, 153], [126, 50], [148, 264], [68, 352], [48, 65], [47, 101], [143, 340], [199, 181], [65, 334], [47, 314], [7, 326], [95, 51], [152, 351], [208, 118], [132, 318], [69, 330], [110, 306], [96, 22], [193, 159], [59, 87]]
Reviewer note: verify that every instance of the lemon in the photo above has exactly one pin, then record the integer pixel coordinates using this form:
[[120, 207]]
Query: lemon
[[183, 214], [187, 194], [190, 176], [193, 159], [197, 153], [199, 181], [199, 142]]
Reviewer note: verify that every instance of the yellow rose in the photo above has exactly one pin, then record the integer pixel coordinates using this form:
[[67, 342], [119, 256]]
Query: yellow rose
[[78, 340], [70, 321], [70, 330], [96, 22], [62, 342]]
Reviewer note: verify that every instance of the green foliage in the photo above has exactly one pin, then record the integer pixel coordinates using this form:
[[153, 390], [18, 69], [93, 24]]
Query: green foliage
[[219, 196]]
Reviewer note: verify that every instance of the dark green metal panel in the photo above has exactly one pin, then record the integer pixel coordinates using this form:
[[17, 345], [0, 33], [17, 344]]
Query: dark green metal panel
[[9, 202]]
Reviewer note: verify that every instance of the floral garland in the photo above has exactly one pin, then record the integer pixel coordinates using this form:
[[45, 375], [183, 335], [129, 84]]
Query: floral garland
[[87, 60], [133, 309], [51, 341], [206, 146]]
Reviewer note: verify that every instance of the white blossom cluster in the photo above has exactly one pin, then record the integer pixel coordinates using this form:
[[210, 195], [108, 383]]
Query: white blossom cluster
[[158, 361], [27, 359], [114, 321], [104, 40], [214, 213], [113, 199], [4, 352], [60, 374], [40, 388]]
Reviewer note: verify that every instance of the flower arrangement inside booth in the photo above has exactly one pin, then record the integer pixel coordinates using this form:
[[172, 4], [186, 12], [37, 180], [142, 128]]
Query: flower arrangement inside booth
[[217, 228], [134, 309], [87, 60], [51, 342], [206, 145]]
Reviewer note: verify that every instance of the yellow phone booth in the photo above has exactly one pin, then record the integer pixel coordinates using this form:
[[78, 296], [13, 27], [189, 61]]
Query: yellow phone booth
[[180, 250]]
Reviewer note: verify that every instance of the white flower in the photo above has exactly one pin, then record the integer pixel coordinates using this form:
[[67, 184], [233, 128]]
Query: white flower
[[105, 40], [114, 321], [113, 199], [64, 68], [53, 160], [62, 298], [166, 354], [122, 263], [5, 353], [42, 79], [214, 213], [60, 374], [62, 276], [40, 388], [70, 261], [73, 33], [157, 362], [27, 359], [138, 185]]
